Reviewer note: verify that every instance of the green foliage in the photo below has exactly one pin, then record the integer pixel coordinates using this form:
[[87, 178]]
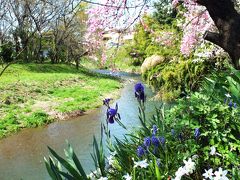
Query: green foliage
[[99, 156], [176, 74], [162, 160], [221, 83], [17, 119], [120, 58], [36, 119], [164, 13], [141, 42], [172, 78], [151, 38], [72, 165], [6, 52], [219, 126], [9, 124]]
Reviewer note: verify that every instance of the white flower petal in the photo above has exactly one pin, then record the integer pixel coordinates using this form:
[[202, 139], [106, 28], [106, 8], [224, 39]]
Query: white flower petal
[[213, 150], [228, 95], [142, 164], [103, 178], [208, 174], [127, 177]]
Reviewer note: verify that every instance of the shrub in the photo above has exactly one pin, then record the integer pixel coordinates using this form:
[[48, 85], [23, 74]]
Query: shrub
[[218, 124], [171, 78]]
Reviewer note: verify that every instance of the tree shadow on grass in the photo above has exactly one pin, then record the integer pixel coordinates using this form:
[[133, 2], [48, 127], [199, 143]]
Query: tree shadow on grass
[[65, 68]]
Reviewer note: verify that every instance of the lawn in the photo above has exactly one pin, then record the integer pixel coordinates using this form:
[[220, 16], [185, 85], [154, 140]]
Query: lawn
[[36, 94]]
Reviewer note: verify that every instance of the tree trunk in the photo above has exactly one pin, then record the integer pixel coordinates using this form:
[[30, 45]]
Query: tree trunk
[[77, 63], [24, 42], [17, 44], [227, 20], [40, 51]]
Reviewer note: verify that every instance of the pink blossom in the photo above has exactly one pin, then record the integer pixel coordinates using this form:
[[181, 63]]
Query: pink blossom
[[197, 21], [175, 3]]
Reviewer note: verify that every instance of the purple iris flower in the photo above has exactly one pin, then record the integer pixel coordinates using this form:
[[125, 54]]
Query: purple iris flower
[[158, 163], [112, 114], [106, 101], [235, 105], [154, 129], [162, 140], [140, 151], [139, 92], [155, 141], [147, 141], [231, 104], [197, 133], [225, 101]]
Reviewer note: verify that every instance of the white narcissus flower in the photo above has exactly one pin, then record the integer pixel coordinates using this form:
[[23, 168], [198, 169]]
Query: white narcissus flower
[[142, 164], [189, 166], [94, 174], [180, 172], [114, 153], [177, 178], [91, 176], [213, 150], [208, 174], [110, 160], [220, 174], [127, 177], [103, 178], [228, 95]]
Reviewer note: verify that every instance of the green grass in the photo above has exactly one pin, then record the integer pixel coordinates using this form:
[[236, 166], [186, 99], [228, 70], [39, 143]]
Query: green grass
[[122, 60], [30, 92]]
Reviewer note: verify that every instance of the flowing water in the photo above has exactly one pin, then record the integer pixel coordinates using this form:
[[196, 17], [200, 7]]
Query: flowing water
[[21, 155]]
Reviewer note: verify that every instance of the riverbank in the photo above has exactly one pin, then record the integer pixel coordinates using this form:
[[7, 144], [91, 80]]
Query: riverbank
[[37, 94], [120, 65]]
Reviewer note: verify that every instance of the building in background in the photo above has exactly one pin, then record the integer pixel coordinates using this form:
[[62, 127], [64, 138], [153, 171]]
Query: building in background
[[116, 38]]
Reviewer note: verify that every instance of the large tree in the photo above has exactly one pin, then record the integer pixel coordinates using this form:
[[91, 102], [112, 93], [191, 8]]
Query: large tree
[[227, 20]]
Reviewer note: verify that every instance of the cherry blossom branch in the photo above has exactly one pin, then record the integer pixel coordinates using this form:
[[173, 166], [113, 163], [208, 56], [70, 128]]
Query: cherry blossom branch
[[114, 6]]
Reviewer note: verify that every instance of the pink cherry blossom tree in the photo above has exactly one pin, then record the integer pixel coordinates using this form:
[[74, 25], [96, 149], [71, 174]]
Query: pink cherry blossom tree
[[222, 15], [217, 21], [111, 15]]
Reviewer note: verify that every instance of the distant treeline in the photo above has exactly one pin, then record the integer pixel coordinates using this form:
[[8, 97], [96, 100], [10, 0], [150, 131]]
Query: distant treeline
[[40, 31]]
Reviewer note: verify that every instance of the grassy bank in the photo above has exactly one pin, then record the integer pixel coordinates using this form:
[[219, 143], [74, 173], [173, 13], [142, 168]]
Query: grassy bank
[[35, 94], [118, 59]]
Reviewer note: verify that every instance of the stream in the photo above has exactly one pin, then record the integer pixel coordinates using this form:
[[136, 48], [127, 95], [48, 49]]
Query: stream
[[21, 154]]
